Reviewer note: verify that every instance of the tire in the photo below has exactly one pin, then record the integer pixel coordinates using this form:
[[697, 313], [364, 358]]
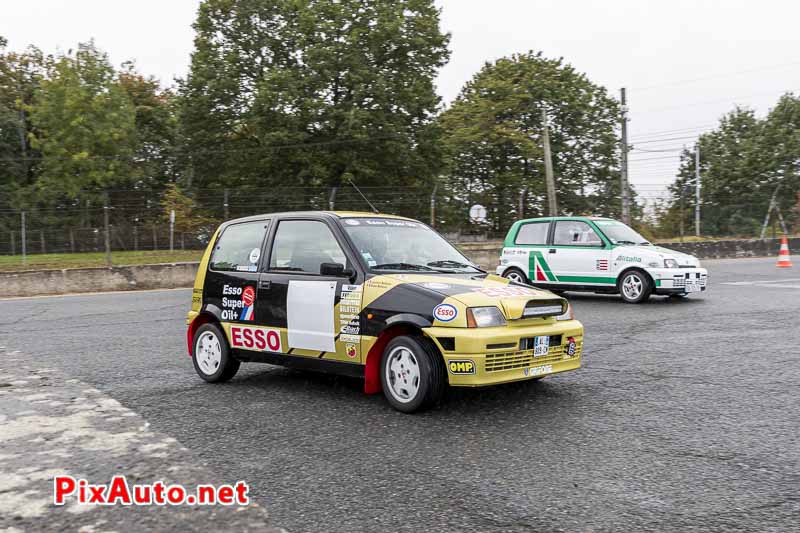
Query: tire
[[634, 286], [416, 362], [515, 274], [211, 355]]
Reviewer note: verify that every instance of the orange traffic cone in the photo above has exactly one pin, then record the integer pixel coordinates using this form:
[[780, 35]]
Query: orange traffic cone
[[784, 261]]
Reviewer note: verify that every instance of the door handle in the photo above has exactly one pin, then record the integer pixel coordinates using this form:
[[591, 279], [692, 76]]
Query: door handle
[[552, 251], [264, 284]]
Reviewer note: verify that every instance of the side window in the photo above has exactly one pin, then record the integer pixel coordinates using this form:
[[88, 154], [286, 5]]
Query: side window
[[303, 245], [239, 247], [575, 233], [533, 233]]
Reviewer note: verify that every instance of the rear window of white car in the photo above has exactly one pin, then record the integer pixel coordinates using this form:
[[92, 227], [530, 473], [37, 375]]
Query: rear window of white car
[[533, 233]]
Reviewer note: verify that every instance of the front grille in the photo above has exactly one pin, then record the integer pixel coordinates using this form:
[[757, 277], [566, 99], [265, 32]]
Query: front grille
[[496, 362]]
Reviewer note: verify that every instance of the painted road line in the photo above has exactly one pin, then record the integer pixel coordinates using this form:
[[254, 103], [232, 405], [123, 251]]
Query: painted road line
[[780, 283]]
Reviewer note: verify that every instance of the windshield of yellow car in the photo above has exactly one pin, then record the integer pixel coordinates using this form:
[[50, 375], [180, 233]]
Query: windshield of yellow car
[[404, 245]]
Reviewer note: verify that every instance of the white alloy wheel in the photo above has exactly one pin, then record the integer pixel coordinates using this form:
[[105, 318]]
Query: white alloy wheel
[[632, 286], [514, 275], [208, 352], [402, 374]]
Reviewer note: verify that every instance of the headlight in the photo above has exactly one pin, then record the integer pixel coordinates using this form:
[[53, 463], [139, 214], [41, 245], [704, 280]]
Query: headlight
[[670, 263], [568, 315], [485, 317]]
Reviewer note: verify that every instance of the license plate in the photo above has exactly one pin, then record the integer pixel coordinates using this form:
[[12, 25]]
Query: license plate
[[692, 286], [541, 345], [538, 370]]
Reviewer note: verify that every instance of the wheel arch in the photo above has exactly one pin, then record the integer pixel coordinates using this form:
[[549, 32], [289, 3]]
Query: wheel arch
[[638, 269], [372, 368], [211, 314]]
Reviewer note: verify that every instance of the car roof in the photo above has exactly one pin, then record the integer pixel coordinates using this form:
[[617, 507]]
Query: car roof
[[577, 217], [329, 214]]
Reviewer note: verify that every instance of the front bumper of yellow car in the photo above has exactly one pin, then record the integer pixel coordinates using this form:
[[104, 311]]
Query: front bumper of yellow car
[[477, 357]]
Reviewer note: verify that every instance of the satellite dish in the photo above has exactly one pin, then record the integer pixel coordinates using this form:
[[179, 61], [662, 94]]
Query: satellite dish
[[477, 213]]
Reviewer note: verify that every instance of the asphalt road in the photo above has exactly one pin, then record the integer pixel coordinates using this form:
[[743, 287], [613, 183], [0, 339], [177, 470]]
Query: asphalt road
[[684, 417]]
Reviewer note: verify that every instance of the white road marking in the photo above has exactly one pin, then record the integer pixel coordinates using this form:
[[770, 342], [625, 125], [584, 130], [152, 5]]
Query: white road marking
[[777, 283]]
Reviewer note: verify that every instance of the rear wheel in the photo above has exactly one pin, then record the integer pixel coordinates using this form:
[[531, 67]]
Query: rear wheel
[[635, 286], [211, 355], [516, 275], [412, 374]]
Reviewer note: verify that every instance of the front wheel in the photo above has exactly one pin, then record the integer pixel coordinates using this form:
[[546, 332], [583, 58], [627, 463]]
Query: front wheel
[[412, 374], [635, 287], [211, 355]]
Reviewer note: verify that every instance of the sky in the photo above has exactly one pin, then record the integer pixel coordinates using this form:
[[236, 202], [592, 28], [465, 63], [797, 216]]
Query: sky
[[684, 62]]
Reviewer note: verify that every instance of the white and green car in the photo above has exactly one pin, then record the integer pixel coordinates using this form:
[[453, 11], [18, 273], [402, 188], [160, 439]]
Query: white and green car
[[596, 254]]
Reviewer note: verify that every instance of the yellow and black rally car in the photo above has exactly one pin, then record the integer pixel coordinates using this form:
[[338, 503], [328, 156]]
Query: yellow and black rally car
[[380, 297]]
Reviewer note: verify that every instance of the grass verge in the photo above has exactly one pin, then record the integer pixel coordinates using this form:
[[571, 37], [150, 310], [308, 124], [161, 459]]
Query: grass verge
[[13, 263]]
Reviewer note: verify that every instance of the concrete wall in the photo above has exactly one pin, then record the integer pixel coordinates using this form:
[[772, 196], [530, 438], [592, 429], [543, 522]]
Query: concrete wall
[[71, 280], [168, 276], [733, 248]]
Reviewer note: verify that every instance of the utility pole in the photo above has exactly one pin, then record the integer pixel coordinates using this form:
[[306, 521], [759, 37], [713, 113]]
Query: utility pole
[[225, 205], [433, 205], [172, 231], [107, 232], [683, 193], [24, 241], [548, 167], [623, 175], [697, 191], [521, 206]]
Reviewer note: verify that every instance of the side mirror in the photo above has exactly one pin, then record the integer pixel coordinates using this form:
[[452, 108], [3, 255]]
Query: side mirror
[[336, 270]]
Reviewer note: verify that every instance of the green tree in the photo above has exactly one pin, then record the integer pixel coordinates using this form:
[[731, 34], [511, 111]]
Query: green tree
[[156, 130], [20, 76], [312, 92], [84, 126], [734, 178], [493, 137]]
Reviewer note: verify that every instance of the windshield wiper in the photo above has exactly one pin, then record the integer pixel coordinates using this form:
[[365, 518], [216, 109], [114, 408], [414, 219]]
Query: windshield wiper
[[403, 266], [451, 263], [626, 242], [646, 243]]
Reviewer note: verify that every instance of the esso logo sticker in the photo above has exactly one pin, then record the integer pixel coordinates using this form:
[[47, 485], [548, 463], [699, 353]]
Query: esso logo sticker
[[248, 296], [258, 339], [445, 312]]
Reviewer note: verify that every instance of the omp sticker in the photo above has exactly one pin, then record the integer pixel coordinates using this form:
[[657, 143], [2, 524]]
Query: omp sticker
[[255, 338], [461, 366], [537, 370], [351, 222], [255, 253], [445, 312], [500, 292]]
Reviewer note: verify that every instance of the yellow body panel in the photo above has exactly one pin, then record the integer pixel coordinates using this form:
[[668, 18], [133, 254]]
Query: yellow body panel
[[502, 365]]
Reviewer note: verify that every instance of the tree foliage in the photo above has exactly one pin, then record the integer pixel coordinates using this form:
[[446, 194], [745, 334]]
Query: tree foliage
[[493, 136], [84, 125], [313, 92], [742, 163]]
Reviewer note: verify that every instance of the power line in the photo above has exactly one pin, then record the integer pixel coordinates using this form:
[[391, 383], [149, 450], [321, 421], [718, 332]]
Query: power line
[[716, 76]]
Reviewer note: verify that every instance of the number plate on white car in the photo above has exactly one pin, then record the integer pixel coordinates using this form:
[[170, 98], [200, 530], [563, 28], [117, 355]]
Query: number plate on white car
[[692, 285], [541, 345]]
